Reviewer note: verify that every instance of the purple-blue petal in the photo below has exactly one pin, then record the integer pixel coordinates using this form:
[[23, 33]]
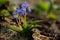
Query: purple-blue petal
[[14, 12], [29, 10], [24, 4], [23, 9], [18, 11], [15, 16], [24, 13]]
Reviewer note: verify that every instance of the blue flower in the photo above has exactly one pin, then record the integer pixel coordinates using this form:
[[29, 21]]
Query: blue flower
[[19, 11], [22, 10], [29, 10], [24, 5], [15, 16], [15, 12]]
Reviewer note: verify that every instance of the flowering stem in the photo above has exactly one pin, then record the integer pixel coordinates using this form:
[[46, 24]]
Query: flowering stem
[[24, 21], [19, 25], [19, 18], [19, 22]]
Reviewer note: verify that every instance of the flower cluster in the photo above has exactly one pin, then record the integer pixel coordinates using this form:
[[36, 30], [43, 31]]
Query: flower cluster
[[22, 11]]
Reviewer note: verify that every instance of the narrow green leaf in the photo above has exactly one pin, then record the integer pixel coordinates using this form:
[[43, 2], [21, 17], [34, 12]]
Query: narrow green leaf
[[13, 28]]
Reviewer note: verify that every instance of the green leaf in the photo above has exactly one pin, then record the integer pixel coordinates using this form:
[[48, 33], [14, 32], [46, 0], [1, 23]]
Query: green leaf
[[12, 7], [45, 5], [35, 22], [27, 30], [5, 12], [51, 16], [59, 17], [13, 28], [58, 8], [3, 2]]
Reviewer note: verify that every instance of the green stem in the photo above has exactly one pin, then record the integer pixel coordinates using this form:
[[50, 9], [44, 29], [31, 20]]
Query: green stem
[[13, 28], [19, 22], [24, 24]]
